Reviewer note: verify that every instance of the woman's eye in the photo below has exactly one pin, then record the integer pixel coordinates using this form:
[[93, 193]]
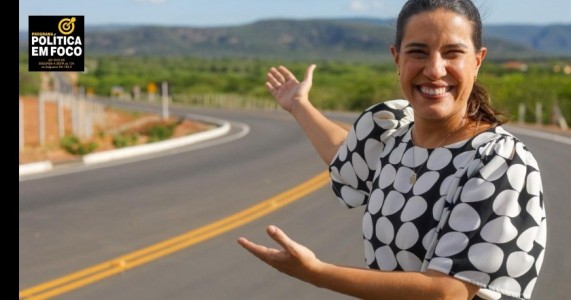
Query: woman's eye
[[454, 53], [416, 52]]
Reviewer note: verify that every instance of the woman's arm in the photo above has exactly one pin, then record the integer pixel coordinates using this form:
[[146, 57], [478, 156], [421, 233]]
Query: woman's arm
[[298, 261], [293, 96]]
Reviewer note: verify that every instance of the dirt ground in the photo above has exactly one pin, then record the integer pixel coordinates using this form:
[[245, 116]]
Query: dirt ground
[[114, 119]]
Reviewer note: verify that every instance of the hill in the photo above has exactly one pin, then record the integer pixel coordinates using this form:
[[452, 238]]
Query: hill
[[550, 39], [347, 39]]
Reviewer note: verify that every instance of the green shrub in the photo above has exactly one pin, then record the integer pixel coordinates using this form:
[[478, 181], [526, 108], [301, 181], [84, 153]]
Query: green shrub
[[124, 140], [160, 132], [73, 145]]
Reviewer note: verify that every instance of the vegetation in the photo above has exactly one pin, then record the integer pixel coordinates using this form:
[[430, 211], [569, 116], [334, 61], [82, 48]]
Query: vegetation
[[153, 132], [338, 85], [73, 145], [122, 140], [160, 131]]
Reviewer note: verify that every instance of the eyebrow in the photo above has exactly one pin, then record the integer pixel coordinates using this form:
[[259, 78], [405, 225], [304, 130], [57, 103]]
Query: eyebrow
[[421, 45]]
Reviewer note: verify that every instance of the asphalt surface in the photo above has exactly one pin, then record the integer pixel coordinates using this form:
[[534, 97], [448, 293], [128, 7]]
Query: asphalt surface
[[74, 217]]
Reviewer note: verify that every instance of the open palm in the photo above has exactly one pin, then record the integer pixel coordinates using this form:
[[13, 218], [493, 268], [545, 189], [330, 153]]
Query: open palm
[[285, 87], [295, 259]]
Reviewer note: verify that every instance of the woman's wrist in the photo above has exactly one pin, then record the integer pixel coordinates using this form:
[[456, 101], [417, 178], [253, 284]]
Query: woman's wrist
[[299, 106], [315, 272]]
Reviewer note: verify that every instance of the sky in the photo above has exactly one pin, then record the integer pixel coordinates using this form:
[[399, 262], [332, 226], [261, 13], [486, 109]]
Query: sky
[[210, 13]]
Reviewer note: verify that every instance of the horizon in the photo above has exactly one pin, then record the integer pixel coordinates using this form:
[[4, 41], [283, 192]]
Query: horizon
[[287, 19], [228, 13]]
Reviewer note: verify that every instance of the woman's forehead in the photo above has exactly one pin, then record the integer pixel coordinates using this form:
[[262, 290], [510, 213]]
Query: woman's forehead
[[427, 26]]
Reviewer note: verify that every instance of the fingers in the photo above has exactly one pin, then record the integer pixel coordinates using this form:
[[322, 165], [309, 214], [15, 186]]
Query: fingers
[[280, 75], [270, 87], [286, 74], [274, 76], [281, 238], [261, 252], [309, 73], [274, 79]]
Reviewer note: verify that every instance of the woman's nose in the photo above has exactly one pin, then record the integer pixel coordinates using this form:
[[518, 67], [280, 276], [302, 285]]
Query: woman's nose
[[435, 67]]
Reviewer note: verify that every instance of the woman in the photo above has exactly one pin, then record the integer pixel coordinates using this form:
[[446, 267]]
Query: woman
[[454, 203]]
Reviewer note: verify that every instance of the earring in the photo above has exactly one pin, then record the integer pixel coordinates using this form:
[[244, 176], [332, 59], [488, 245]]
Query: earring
[[398, 72]]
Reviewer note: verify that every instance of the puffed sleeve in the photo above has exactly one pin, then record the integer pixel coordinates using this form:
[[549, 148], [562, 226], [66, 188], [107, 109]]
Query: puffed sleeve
[[494, 229], [353, 167]]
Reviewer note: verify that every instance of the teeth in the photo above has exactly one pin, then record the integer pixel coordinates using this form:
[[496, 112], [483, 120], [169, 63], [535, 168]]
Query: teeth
[[432, 91]]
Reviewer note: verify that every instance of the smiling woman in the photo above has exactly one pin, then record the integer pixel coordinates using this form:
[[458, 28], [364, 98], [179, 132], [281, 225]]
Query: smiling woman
[[453, 202]]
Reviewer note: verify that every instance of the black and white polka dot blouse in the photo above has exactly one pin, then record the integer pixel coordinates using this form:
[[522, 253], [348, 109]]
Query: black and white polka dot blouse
[[475, 211]]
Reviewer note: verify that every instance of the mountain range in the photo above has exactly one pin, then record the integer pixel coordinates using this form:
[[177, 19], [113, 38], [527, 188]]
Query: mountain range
[[322, 39]]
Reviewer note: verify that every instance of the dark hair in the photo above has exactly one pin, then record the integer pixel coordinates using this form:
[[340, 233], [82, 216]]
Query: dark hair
[[479, 106]]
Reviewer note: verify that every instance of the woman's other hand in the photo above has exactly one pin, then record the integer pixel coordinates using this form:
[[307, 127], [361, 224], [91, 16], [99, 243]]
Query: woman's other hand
[[286, 89], [295, 259]]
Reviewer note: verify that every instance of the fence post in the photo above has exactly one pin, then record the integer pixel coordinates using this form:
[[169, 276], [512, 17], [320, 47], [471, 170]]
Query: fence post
[[88, 118], [558, 117], [60, 115], [136, 93], [75, 115], [538, 113], [521, 114], [165, 98]]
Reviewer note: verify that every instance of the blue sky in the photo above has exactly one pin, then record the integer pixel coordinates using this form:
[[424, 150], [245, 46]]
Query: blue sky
[[204, 13]]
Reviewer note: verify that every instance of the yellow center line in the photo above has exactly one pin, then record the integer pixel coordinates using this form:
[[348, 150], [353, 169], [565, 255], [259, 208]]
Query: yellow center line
[[122, 263]]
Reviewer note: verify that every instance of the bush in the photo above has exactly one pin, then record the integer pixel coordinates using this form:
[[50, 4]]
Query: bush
[[124, 140], [160, 132], [73, 145]]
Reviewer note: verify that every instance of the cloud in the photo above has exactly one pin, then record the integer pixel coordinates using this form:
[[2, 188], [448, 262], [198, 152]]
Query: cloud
[[366, 5]]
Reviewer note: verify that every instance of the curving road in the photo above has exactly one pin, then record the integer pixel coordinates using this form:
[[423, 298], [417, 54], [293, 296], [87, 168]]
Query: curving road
[[86, 215]]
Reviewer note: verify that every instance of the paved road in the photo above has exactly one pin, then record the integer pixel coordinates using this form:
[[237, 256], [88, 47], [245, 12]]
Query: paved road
[[554, 159], [79, 219]]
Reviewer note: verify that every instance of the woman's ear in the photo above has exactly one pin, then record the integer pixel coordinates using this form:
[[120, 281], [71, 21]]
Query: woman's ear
[[480, 57], [395, 54]]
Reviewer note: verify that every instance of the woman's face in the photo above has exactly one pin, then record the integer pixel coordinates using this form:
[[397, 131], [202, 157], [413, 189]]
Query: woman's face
[[438, 64]]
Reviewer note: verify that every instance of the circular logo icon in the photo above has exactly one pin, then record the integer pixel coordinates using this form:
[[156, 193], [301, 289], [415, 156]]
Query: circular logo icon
[[66, 25]]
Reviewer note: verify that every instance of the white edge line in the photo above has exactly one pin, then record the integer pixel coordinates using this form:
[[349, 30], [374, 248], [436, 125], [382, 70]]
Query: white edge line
[[105, 156], [37, 167], [155, 147], [542, 135]]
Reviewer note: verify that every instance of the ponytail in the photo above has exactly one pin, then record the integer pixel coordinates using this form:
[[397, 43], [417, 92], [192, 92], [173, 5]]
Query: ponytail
[[480, 107]]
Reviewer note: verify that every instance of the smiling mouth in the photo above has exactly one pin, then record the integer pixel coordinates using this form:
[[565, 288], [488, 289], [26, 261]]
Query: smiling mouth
[[431, 91]]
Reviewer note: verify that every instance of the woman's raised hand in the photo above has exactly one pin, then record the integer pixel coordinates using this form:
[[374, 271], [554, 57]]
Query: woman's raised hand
[[286, 89]]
